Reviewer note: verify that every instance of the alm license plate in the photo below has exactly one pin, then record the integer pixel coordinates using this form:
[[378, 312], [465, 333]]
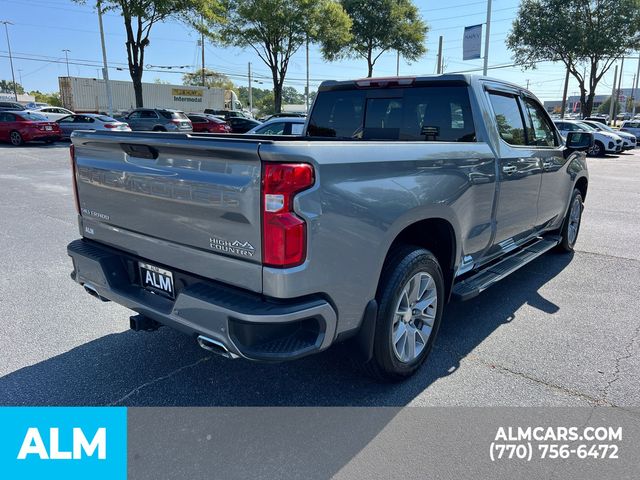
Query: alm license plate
[[157, 279], [48, 127]]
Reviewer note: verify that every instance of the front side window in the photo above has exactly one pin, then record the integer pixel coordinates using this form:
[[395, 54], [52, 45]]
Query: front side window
[[542, 134], [508, 118]]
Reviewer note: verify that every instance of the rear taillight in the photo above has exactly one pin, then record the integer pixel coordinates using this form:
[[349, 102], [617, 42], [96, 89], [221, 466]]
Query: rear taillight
[[284, 234], [110, 125], [74, 176]]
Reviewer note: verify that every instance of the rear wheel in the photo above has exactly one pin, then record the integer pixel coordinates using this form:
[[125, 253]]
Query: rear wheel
[[16, 138], [411, 298], [571, 225]]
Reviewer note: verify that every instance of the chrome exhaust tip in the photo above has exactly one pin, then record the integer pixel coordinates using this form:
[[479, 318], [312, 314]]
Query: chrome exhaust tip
[[214, 346]]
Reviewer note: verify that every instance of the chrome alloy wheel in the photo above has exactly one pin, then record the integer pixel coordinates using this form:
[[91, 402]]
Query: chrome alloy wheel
[[574, 220], [414, 317]]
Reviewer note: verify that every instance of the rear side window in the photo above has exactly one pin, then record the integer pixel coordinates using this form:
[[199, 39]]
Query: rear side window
[[508, 118], [441, 114]]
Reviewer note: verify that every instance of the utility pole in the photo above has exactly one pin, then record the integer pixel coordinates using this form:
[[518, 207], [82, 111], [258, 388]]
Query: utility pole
[[250, 92], [20, 76], [635, 87], [397, 63], [613, 95], [105, 69], [620, 79], [66, 56], [306, 96], [527, 84], [439, 67], [13, 75], [204, 80], [487, 33], [564, 94]]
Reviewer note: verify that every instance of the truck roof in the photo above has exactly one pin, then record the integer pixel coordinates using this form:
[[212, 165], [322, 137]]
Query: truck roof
[[462, 78]]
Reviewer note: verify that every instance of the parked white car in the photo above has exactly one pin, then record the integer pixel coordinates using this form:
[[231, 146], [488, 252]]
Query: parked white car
[[604, 142], [54, 113], [628, 139], [280, 126]]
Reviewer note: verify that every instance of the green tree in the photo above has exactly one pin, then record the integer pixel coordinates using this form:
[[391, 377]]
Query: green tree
[[292, 96], [212, 79], [140, 16], [587, 36], [605, 107], [276, 29], [50, 98], [6, 86], [380, 26]]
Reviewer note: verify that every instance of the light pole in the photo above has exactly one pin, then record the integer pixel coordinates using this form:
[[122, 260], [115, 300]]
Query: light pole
[[13, 75], [487, 33], [105, 69], [66, 56]]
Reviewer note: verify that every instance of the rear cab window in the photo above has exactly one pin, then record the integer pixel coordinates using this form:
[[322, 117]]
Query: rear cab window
[[418, 113]]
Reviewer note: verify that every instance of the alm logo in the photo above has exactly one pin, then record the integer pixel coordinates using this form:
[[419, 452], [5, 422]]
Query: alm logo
[[33, 444]]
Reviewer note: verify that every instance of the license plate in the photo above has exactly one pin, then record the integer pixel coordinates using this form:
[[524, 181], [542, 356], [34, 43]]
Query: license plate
[[156, 279], [48, 127]]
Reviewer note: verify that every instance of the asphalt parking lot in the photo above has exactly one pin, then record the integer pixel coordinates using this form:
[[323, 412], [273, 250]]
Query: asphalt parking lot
[[563, 331]]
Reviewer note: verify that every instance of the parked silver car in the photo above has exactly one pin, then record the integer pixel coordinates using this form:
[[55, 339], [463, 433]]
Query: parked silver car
[[90, 121], [158, 120]]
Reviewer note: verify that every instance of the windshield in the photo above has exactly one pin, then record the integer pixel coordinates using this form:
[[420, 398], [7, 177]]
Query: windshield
[[601, 127], [104, 118], [586, 127]]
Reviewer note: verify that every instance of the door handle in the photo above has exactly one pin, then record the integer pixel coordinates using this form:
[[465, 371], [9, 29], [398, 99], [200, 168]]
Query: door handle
[[509, 169], [547, 165]]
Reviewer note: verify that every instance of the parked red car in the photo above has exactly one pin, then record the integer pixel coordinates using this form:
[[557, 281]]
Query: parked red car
[[206, 123], [21, 127]]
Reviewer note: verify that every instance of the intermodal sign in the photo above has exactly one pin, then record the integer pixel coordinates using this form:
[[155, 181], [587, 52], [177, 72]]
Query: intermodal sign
[[186, 95]]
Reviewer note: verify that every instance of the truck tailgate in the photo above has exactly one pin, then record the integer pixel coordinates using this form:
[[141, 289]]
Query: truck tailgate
[[184, 201]]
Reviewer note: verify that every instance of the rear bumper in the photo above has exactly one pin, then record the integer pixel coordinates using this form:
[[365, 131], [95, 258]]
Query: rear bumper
[[247, 324], [31, 135]]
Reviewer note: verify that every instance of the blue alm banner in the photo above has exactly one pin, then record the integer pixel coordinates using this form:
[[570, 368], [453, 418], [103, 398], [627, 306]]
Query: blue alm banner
[[63, 442]]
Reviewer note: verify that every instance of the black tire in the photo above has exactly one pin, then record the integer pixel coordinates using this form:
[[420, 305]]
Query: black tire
[[597, 150], [569, 239], [403, 264], [16, 139]]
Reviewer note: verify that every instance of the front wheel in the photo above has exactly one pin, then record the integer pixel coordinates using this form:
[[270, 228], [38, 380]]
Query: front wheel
[[571, 225], [411, 298], [596, 150]]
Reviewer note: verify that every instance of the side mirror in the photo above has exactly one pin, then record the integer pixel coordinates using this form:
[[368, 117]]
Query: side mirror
[[578, 142]]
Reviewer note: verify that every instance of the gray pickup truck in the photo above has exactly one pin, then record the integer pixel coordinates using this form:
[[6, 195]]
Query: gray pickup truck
[[403, 193]]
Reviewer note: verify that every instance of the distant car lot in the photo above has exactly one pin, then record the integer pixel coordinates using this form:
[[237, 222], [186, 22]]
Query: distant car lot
[[561, 332]]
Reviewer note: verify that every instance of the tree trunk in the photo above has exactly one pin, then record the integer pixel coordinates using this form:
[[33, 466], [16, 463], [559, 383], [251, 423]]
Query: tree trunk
[[583, 96], [137, 85], [277, 87], [277, 97], [588, 107], [369, 64]]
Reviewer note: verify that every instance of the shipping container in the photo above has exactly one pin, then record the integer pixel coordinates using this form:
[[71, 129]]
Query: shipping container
[[89, 95]]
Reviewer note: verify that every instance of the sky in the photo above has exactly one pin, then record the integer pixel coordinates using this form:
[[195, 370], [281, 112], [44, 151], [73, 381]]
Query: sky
[[42, 29]]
